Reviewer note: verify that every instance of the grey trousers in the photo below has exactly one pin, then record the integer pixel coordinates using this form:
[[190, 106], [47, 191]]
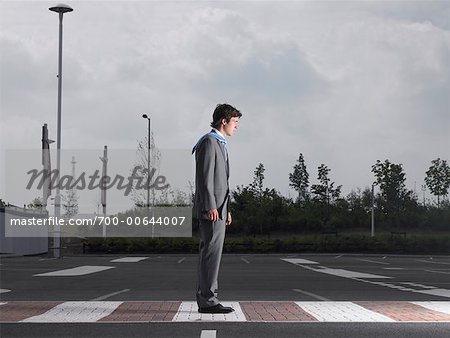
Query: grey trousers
[[212, 235]]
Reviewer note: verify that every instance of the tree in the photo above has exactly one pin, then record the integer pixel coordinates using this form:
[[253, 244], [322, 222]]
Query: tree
[[139, 196], [70, 203], [438, 178], [325, 193], [36, 203], [258, 180], [391, 178], [299, 179]]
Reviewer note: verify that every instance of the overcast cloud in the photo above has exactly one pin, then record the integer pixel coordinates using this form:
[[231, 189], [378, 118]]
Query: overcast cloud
[[344, 83]]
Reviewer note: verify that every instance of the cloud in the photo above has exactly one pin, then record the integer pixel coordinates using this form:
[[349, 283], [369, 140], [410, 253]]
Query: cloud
[[344, 83]]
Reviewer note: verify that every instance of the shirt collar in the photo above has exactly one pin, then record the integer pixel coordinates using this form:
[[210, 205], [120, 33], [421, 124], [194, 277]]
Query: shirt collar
[[219, 133]]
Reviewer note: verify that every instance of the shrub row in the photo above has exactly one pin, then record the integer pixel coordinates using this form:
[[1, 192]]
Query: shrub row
[[354, 243]]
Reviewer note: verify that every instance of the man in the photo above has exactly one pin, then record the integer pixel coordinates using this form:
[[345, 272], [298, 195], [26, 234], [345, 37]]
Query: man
[[211, 203]]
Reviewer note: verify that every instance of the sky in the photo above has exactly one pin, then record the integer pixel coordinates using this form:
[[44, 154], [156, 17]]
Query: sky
[[345, 83]]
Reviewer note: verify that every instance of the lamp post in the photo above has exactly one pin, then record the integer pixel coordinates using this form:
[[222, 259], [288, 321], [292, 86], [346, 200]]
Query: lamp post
[[145, 116], [372, 218], [60, 9]]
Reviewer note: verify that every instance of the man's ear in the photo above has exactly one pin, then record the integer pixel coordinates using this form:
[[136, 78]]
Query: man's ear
[[224, 121]]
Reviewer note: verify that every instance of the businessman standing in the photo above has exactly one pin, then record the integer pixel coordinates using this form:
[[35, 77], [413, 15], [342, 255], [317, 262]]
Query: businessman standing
[[211, 203]]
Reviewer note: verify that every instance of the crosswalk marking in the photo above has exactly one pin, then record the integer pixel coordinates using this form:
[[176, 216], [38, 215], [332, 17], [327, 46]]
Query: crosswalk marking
[[78, 271], [341, 312], [258, 311], [443, 307], [188, 312], [75, 312]]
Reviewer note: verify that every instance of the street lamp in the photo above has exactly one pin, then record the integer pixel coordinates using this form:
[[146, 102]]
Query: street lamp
[[60, 9], [372, 214], [145, 116]]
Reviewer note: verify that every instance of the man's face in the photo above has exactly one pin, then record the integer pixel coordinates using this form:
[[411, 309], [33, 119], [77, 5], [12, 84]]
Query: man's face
[[230, 127]]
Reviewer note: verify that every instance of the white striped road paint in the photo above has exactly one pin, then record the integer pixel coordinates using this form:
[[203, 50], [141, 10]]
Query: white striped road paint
[[298, 261], [393, 268], [447, 273], [342, 312], [371, 261], [110, 295], [208, 334], [310, 294], [245, 260], [76, 312], [443, 307], [347, 273], [3, 303], [5, 290], [419, 285], [430, 261], [181, 260], [78, 271], [188, 312], [435, 292], [128, 259]]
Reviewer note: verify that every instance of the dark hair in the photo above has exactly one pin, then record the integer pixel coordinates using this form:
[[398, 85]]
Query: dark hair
[[224, 111]]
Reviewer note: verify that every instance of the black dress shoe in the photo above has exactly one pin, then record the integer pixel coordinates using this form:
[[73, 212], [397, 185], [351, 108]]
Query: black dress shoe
[[219, 308]]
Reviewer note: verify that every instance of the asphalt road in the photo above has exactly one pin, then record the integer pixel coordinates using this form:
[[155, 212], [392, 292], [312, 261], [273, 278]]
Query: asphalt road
[[243, 278]]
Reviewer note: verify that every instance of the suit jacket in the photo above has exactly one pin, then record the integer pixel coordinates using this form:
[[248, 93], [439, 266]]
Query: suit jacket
[[211, 178]]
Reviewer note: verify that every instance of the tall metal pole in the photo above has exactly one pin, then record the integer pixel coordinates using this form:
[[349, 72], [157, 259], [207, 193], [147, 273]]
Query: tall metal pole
[[149, 145], [372, 232], [60, 9]]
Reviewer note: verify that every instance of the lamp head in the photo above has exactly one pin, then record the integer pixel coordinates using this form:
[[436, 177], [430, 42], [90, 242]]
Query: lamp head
[[145, 116], [61, 8]]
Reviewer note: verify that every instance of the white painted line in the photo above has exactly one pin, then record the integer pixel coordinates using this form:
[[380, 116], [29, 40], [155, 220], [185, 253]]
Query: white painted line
[[5, 290], [342, 312], [419, 285], [338, 256], [424, 261], [3, 303], [110, 295], [436, 292], [447, 273], [128, 259], [78, 271], [443, 307], [371, 261], [298, 261], [80, 312], [393, 268], [208, 334], [181, 260], [311, 294], [188, 312], [245, 260], [348, 273]]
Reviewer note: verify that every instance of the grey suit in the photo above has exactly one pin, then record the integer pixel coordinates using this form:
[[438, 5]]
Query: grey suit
[[211, 192]]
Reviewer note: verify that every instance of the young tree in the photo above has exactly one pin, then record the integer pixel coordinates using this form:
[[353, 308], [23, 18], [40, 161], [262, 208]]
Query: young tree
[[70, 203], [391, 178], [325, 191], [299, 179], [36, 203], [258, 180], [438, 178]]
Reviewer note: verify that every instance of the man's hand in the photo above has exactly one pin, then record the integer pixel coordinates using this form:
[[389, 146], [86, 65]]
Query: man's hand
[[213, 215], [229, 219]]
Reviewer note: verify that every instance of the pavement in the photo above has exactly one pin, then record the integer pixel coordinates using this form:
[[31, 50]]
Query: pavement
[[288, 295]]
